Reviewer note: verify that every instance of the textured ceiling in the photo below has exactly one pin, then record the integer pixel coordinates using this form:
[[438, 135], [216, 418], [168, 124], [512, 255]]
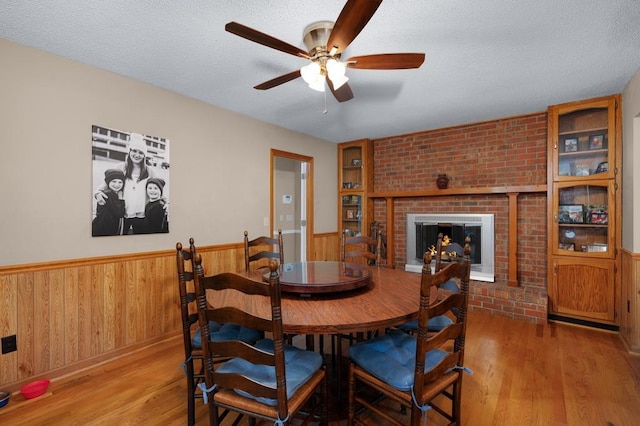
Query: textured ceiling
[[485, 60]]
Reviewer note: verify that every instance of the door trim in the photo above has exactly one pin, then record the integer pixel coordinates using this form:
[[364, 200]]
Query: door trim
[[309, 188]]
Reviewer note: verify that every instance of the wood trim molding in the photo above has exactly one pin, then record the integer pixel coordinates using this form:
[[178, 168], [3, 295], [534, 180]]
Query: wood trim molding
[[487, 190], [90, 261], [511, 191]]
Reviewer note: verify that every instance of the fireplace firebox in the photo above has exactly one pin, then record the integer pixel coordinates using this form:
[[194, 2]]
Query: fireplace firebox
[[423, 230]]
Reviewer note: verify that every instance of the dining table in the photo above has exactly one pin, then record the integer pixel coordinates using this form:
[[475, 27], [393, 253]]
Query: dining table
[[336, 298], [388, 297]]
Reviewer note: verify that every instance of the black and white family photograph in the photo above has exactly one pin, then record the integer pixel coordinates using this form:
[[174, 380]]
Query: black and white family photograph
[[130, 183]]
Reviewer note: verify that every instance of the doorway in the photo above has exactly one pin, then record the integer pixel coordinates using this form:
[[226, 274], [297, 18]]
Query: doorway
[[292, 203]]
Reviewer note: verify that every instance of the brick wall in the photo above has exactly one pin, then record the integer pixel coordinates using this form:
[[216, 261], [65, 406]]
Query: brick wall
[[509, 151]]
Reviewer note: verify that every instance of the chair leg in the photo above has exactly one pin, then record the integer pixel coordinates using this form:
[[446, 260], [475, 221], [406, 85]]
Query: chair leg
[[352, 395], [191, 391]]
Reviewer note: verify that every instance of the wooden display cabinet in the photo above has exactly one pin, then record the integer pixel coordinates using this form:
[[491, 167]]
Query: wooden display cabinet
[[584, 200], [355, 180]]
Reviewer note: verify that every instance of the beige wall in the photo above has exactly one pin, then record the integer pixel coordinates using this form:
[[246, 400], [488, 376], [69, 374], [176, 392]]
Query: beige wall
[[631, 157], [219, 160]]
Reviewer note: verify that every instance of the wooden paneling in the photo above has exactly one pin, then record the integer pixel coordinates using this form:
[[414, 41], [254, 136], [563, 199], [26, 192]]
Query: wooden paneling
[[326, 247], [630, 300], [66, 314]]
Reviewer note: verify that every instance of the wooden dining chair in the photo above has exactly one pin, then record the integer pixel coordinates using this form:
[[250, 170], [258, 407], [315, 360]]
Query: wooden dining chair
[[358, 249], [439, 322], [191, 334], [260, 248], [269, 380], [257, 254], [361, 249], [414, 369]]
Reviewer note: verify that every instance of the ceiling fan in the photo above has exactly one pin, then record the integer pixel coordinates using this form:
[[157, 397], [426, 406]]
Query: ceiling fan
[[325, 42]]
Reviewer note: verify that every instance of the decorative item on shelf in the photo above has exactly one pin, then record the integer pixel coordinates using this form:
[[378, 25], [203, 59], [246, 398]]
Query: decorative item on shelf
[[571, 213], [571, 145], [597, 214], [595, 248], [567, 246], [603, 167], [346, 185], [596, 142], [442, 181], [579, 169], [356, 162]]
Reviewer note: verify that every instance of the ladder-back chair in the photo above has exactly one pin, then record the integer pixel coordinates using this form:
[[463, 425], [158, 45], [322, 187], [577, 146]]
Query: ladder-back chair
[[414, 369], [270, 380], [260, 248]]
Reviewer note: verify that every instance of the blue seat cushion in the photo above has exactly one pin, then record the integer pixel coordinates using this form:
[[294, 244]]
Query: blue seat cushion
[[300, 365], [218, 333], [392, 358], [450, 286], [435, 324], [439, 322]]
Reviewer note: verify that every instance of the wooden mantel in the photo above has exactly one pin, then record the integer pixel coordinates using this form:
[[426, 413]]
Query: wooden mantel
[[510, 191]]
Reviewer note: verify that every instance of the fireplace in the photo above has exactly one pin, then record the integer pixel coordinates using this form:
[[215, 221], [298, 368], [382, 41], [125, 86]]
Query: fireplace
[[422, 233]]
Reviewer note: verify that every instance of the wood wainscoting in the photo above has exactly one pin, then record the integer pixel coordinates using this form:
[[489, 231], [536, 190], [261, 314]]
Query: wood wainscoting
[[69, 315], [630, 300]]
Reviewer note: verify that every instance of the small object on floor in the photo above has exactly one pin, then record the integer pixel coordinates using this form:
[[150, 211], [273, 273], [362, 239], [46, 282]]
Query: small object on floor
[[34, 389], [4, 398]]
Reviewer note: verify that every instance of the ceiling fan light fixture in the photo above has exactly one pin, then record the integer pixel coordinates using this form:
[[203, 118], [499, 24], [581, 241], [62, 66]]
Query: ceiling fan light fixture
[[318, 84], [312, 75], [335, 72]]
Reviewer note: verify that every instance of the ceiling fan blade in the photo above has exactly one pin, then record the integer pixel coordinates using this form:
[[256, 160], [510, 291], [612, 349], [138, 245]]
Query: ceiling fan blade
[[264, 39], [278, 80], [343, 93], [353, 17], [386, 61]]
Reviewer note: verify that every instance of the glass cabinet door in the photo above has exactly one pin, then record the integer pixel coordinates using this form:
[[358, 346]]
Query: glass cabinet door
[[351, 214], [581, 148], [583, 219]]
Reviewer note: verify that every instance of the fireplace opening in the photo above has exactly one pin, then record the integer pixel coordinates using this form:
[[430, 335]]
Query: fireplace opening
[[427, 237], [422, 233]]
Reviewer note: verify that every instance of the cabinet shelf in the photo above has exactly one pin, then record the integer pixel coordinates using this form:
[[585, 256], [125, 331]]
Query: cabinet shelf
[[583, 153], [583, 131], [582, 225]]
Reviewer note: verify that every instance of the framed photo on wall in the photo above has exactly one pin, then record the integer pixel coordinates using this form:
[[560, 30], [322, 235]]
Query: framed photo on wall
[[130, 188]]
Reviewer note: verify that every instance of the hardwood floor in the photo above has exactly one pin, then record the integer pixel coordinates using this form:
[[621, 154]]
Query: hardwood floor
[[523, 374]]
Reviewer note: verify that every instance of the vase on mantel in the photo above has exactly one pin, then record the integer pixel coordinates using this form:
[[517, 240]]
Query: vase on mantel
[[442, 181]]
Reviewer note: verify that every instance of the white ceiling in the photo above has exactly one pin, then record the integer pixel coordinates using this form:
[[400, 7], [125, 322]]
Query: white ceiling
[[485, 59]]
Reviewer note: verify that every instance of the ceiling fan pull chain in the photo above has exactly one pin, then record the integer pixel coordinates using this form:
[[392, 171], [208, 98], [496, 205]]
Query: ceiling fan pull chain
[[325, 103]]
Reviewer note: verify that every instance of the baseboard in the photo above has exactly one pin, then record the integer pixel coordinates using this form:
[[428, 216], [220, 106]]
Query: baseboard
[[585, 323]]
